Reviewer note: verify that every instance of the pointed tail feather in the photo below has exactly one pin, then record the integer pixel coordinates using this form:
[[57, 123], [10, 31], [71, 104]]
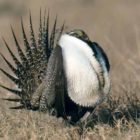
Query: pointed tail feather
[[18, 107], [53, 34], [17, 62], [44, 19], [11, 100], [20, 52], [12, 78], [9, 64], [33, 41], [61, 31], [40, 32], [14, 91], [46, 38], [26, 43]]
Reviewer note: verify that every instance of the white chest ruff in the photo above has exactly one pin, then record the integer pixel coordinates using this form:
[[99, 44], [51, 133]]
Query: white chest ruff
[[80, 67]]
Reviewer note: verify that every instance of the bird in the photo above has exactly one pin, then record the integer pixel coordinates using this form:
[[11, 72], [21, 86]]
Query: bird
[[65, 74]]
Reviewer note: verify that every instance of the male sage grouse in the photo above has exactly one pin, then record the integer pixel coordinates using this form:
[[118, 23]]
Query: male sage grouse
[[62, 73]]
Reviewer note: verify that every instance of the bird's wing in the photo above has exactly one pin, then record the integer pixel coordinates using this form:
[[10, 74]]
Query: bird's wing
[[54, 91]]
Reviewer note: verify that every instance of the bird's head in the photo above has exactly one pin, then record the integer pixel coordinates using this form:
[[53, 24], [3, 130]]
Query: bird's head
[[80, 34]]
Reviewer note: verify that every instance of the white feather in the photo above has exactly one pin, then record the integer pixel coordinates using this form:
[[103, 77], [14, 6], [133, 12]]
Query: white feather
[[82, 71]]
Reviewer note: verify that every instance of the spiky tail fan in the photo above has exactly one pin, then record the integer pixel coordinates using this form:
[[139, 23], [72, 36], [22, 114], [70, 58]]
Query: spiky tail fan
[[31, 68]]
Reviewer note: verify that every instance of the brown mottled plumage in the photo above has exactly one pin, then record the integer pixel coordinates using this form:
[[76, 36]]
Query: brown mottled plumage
[[31, 68]]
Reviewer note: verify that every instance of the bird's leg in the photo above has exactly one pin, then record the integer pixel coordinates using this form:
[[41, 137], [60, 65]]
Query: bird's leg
[[87, 118]]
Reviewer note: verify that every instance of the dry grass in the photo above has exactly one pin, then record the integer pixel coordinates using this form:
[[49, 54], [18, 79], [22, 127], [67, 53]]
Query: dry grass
[[119, 120], [113, 24]]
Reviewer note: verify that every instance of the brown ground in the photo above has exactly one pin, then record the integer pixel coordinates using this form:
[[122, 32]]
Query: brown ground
[[114, 24]]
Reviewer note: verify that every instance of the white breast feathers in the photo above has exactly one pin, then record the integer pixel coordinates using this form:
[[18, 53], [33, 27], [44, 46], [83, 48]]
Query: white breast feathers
[[82, 70]]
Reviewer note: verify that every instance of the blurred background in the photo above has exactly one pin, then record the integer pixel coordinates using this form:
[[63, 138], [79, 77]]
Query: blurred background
[[114, 24]]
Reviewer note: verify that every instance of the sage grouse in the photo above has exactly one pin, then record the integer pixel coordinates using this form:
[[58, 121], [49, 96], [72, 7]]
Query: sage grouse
[[65, 74]]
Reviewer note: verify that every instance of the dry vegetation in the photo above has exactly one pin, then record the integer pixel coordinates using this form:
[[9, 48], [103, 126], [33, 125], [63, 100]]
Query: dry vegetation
[[115, 25]]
